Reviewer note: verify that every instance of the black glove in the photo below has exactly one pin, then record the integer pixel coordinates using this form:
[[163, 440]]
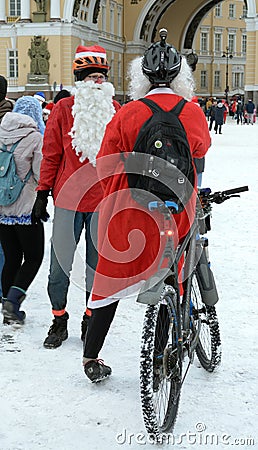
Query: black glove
[[39, 211]]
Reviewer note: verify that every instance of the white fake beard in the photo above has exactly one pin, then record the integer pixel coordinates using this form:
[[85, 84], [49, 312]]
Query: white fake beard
[[92, 110]]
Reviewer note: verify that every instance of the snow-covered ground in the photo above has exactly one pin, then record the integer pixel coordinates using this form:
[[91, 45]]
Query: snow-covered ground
[[47, 402]]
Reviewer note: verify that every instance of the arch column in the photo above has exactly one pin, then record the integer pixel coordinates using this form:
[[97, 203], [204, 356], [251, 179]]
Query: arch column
[[55, 10], [25, 10]]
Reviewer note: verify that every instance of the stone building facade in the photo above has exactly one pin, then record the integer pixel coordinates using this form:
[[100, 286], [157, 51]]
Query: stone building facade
[[125, 28]]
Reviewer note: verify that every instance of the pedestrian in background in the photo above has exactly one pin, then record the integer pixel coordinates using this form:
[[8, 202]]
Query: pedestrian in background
[[22, 240], [219, 116], [249, 108], [239, 112]]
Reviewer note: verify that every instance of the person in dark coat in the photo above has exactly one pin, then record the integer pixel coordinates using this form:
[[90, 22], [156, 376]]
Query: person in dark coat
[[249, 108], [212, 114], [5, 104], [239, 112], [219, 116]]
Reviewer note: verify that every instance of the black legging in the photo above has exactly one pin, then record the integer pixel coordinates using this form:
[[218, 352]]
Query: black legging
[[99, 324], [23, 247]]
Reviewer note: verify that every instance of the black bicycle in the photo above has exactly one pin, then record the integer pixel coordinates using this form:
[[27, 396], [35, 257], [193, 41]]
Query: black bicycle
[[178, 326]]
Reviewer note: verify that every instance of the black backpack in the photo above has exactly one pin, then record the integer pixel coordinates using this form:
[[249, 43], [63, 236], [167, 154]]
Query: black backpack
[[161, 164]]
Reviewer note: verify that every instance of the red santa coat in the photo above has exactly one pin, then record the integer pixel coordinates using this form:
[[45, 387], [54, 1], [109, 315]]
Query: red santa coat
[[129, 241], [74, 184]]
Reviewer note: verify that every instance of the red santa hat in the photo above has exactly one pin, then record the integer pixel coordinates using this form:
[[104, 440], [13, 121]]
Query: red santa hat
[[48, 108], [89, 60], [95, 50], [40, 96]]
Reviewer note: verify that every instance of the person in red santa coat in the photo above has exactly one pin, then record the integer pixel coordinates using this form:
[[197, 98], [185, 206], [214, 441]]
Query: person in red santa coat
[[129, 238], [72, 139]]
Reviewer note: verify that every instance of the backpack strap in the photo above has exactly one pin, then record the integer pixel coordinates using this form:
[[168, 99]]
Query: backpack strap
[[152, 105], [156, 108], [13, 147], [179, 106]]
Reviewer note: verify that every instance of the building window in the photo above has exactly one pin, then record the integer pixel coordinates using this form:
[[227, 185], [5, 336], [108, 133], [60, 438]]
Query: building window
[[231, 42], [232, 11], [203, 79], [15, 8], [217, 82], [218, 11], [119, 71], [13, 64], [104, 15], [119, 21], [237, 80], [112, 70], [112, 17], [244, 14], [244, 43], [217, 42], [204, 42]]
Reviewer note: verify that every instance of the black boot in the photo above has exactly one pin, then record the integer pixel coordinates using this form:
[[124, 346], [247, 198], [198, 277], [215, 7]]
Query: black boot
[[57, 332], [96, 370], [11, 306]]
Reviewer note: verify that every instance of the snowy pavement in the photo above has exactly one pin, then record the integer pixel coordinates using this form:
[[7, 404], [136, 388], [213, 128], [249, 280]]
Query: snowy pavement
[[46, 401]]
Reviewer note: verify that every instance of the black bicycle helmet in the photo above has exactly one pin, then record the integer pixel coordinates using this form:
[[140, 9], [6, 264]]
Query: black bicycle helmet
[[161, 62]]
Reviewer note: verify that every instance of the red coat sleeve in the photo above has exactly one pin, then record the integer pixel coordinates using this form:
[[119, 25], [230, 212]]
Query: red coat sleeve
[[52, 149]]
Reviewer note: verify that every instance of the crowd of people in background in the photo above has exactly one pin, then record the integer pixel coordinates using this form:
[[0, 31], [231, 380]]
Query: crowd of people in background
[[243, 112]]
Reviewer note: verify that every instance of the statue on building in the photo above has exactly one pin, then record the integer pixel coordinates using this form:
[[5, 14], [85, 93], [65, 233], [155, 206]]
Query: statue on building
[[76, 8], [41, 5], [39, 55]]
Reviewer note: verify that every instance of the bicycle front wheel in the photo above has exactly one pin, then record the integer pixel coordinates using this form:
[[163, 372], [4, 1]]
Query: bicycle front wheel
[[208, 348], [160, 367]]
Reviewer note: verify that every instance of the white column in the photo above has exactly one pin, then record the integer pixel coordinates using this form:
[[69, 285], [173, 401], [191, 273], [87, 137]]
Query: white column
[[25, 9], [2, 12], [54, 9]]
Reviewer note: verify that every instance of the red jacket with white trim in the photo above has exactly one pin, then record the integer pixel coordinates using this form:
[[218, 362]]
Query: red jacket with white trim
[[74, 184], [129, 241]]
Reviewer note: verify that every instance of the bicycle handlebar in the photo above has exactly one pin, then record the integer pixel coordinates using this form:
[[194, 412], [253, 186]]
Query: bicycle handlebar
[[236, 190], [205, 195], [220, 196]]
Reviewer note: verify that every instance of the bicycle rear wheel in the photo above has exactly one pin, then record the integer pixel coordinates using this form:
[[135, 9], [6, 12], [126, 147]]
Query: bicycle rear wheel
[[208, 348], [160, 367]]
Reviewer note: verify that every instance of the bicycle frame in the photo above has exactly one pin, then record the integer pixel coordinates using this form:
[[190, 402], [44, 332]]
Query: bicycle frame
[[178, 325]]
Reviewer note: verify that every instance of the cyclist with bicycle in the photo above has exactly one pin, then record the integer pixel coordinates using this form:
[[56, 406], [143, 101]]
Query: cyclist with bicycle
[[130, 244]]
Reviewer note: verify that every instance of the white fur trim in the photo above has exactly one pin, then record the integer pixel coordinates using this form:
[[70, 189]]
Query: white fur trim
[[79, 55], [92, 110], [39, 98]]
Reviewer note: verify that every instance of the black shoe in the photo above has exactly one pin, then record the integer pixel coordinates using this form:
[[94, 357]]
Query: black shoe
[[12, 315], [96, 370], [84, 326], [57, 332]]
